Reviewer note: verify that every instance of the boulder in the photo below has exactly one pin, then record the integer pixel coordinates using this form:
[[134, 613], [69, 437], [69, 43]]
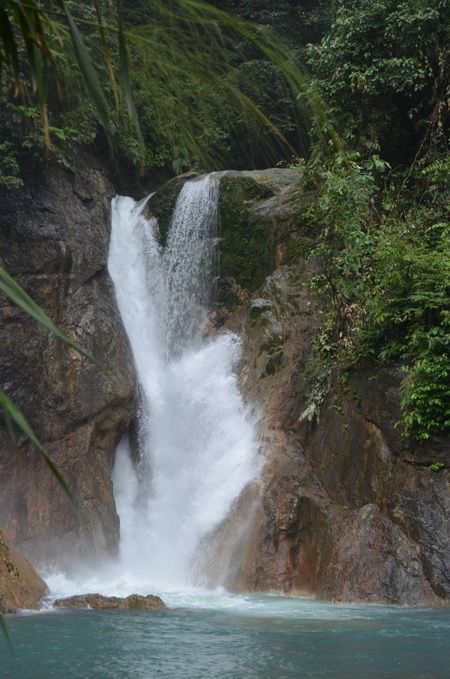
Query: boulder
[[20, 585], [98, 601]]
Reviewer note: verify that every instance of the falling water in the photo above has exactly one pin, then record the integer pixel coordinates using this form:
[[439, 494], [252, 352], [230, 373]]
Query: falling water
[[197, 447]]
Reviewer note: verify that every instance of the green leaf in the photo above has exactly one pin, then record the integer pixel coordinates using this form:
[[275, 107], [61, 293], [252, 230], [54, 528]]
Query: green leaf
[[18, 295], [9, 44], [126, 82], [87, 69], [17, 416], [107, 53]]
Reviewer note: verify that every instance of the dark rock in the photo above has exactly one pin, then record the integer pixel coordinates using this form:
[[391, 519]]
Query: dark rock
[[54, 238], [98, 601]]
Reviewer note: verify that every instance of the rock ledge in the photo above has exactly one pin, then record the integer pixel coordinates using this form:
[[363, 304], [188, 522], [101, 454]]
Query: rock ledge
[[134, 601]]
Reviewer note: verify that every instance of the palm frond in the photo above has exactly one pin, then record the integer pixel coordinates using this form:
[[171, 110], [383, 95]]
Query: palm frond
[[11, 413], [16, 415], [185, 42], [17, 294], [87, 69]]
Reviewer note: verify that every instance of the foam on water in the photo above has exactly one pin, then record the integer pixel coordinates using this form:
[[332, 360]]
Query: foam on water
[[266, 605]]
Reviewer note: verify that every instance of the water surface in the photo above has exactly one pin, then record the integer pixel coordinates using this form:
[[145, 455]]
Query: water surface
[[226, 637]]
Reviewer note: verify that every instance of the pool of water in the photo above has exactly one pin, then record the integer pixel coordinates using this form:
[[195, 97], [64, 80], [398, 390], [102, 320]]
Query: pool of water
[[226, 637]]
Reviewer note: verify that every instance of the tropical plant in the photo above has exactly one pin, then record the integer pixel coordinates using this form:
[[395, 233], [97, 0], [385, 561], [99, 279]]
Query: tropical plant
[[11, 413], [168, 87], [382, 219], [384, 279], [384, 68]]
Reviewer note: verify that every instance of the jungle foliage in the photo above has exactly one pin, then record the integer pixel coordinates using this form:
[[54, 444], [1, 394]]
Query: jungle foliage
[[210, 93], [382, 218], [177, 85]]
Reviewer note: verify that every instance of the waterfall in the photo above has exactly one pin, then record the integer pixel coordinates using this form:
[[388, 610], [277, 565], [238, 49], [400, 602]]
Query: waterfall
[[197, 442]]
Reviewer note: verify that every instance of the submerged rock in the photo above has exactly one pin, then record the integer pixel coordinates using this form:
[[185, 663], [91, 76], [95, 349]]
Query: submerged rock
[[20, 585], [133, 601]]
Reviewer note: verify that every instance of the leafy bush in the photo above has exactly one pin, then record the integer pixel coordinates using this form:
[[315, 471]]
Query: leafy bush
[[384, 250], [384, 68], [425, 395], [382, 234]]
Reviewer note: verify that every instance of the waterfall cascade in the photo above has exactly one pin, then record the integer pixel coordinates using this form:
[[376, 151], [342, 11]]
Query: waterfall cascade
[[198, 447]]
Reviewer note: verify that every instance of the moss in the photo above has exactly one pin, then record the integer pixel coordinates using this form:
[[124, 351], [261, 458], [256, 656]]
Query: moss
[[274, 364], [272, 345], [244, 255], [298, 249]]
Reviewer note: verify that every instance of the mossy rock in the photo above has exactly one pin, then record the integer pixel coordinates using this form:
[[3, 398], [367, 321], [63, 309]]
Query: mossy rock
[[162, 204], [297, 249], [274, 364], [245, 255]]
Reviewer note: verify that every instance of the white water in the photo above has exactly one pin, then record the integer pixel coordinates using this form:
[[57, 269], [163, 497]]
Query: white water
[[198, 447]]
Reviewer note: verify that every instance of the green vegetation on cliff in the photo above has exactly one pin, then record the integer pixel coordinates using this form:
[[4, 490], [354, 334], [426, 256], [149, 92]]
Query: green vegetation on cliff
[[382, 218], [244, 256], [84, 73]]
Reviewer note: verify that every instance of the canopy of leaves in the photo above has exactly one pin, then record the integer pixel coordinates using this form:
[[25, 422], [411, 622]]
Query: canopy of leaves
[[172, 84], [384, 67]]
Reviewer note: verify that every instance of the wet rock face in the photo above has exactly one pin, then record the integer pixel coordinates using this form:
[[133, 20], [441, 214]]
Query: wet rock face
[[349, 510], [162, 203], [244, 254], [20, 586], [397, 508], [54, 238], [98, 601]]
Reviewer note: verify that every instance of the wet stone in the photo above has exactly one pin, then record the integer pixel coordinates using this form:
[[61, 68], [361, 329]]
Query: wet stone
[[98, 601]]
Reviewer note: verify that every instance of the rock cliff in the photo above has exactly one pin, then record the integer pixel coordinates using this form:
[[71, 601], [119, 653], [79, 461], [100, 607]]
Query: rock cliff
[[54, 237], [348, 510]]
